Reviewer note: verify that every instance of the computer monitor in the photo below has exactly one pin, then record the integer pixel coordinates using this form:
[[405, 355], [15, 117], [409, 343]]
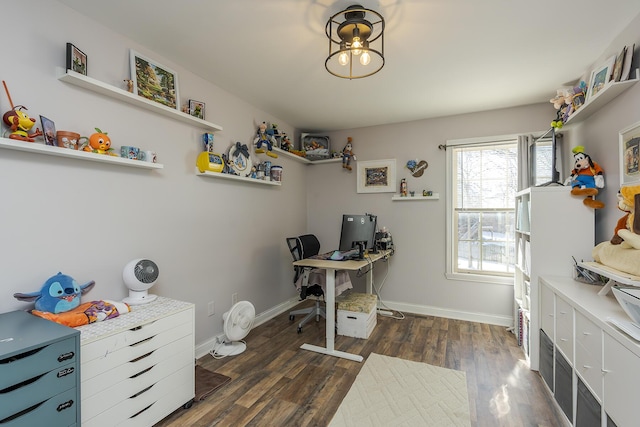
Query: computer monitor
[[358, 228]]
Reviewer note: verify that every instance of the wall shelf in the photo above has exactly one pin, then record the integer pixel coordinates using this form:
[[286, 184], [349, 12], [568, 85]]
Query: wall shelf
[[97, 86], [602, 98], [36, 147], [209, 174], [416, 198], [284, 153]]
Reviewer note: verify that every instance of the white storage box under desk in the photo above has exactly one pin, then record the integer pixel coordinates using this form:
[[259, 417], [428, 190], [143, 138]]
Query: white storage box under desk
[[357, 315]]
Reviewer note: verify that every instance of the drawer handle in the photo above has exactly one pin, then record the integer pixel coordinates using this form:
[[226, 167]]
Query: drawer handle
[[586, 333], [142, 341], [66, 356], [587, 367], [66, 405], [66, 371], [564, 339], [19, 356], [141, 392]]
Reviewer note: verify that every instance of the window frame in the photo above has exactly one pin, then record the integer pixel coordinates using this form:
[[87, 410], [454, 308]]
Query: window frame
[[450, 274]]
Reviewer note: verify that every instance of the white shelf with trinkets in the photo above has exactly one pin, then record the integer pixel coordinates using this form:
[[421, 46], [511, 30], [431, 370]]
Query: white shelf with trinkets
[[221, 175], [39, 148], [281, 152], [602, 98], [97, 86], [416, 198]]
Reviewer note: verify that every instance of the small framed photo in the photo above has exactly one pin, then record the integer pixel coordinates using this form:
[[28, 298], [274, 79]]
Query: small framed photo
[[76, 59], [377, 176], [630, 154], [196, 109], [154, 81], [600, 77], [48, 131]]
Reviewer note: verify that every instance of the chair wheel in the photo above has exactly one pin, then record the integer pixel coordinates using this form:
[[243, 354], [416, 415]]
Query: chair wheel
[[299, 330], [188, 405], [292, 317]]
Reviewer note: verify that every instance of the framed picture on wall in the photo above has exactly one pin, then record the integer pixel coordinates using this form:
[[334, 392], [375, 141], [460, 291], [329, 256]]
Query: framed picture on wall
[[600, 77], [76, 59], [154, 81], [377, 176], [630, 154], [196, 108]]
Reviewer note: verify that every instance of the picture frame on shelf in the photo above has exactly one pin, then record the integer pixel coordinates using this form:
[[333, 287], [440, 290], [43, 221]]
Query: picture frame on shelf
[[617, 66], [600, 77], [196, 108], [628, 60], [376, 176], [154, 81], [630, 154], [76, 59], [48, 131]]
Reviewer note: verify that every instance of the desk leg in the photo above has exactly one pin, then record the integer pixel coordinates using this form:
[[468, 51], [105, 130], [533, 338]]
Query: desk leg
[[330, 294]]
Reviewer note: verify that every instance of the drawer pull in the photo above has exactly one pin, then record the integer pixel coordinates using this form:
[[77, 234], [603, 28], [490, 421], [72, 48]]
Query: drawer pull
[[66, 405], [587, 367], [144, 371], [586, 333], [141, 392], [66, 356], [67, 371], [20, 356], [21, 413], [141, 411], [21, 384], [139, 358], [140, 342], [564, 339]]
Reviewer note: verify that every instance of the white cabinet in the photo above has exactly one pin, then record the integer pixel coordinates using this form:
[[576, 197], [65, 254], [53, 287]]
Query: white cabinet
[[605, 366], [552, 226], [139, 367]]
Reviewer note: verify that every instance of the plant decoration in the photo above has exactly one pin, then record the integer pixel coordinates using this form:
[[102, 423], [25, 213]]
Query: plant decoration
[[416, 167]]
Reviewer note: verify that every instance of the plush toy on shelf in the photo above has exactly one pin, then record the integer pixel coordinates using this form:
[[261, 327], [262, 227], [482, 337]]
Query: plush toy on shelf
[[627, 231], [347, 154], [58, 294], [265, 138], [586, 177], [18, 121], [100, 143]]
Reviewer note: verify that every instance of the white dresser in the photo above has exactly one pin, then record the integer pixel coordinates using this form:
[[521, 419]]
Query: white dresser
[[591, 367], [139, 367]]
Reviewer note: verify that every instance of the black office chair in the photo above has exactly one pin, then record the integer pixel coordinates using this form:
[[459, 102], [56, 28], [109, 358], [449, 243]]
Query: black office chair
[[302, 247]]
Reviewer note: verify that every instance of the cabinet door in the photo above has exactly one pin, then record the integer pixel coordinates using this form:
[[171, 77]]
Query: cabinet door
[[564, 328], [564, 386], [589, 353], [587, 408], [547, 311], [546, 359], [621, 382]]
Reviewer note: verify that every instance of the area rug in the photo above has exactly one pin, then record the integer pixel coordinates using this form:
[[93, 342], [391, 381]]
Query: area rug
[[389, 391], [207, 382]]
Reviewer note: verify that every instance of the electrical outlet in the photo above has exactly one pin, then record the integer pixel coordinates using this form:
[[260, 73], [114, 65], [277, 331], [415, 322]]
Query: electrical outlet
[[234, 298], [211, 308]]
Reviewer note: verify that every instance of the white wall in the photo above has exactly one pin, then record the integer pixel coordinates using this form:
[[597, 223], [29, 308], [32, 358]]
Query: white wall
[[416, 280], [210, 238]]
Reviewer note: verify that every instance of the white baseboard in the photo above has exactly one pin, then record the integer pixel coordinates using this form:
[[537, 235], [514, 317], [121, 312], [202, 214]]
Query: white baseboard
[[424, 310]]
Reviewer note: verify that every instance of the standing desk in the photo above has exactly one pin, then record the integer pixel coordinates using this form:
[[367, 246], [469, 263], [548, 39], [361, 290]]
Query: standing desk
[[330, 268]]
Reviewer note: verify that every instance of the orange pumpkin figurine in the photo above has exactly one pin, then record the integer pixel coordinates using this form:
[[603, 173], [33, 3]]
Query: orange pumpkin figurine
[[100, 143]]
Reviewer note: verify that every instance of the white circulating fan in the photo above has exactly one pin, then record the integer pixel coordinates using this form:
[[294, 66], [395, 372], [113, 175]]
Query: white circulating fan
[[139, 275], [237, 324]]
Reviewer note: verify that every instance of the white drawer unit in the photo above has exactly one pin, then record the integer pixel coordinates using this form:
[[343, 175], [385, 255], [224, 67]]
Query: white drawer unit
[[139, 367], [602, 374]]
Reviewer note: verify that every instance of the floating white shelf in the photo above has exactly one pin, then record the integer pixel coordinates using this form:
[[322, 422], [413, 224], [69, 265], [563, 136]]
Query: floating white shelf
[[36, 147], [602, 98], [281, 152], [421, 198], [97, 86], [209, 174]]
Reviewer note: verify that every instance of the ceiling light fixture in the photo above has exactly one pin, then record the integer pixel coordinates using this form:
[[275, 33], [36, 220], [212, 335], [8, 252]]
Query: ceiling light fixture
[[356, 45]]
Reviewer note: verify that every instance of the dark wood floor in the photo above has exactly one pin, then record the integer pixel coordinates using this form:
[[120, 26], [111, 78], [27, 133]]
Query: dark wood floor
[[274, 383]]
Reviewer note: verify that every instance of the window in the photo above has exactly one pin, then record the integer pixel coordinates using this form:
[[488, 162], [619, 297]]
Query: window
[[481, 183]]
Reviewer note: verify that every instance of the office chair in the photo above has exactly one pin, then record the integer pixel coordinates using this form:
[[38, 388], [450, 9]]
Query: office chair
[[302, 247]]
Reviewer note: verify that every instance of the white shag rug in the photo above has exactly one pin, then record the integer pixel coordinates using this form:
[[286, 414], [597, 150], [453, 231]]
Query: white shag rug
[[389, 391]]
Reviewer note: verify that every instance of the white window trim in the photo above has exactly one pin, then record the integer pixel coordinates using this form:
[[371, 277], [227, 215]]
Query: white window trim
[[449, 274]]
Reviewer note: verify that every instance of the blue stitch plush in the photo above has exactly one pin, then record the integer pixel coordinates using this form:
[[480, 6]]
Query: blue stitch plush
[[59, 293]]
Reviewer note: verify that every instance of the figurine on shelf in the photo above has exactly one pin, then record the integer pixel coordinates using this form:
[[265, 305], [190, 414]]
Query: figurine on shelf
[[347, 154], [403, 187], [18, 121], [100, 143], [129, 83], [264, 138], [286, 144]]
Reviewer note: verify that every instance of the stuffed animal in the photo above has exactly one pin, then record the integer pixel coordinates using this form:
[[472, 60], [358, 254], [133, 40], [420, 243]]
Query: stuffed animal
[[347, 154], [263, 137], [586, 177], [627, 232], [59, 293]]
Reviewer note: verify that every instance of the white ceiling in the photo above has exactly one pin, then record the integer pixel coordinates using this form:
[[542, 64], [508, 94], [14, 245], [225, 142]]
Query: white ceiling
[[443, 57]]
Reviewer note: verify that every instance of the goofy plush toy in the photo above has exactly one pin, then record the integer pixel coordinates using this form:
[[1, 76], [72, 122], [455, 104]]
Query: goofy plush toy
[[586, 177]]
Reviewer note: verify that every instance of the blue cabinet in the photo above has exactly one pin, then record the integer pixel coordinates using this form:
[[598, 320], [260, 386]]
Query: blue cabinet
[[39, 372]]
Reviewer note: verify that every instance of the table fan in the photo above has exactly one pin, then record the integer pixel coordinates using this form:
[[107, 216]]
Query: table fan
[[237, 324], [139, 275]]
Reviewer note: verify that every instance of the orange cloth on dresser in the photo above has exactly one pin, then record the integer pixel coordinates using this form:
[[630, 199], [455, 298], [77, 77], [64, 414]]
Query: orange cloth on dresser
[[88, 312]]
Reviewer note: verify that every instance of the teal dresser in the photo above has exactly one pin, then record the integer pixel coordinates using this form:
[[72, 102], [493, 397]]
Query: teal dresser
[[39, 372]]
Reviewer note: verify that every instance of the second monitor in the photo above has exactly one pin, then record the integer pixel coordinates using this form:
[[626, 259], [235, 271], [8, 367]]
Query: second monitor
[[358, 229]]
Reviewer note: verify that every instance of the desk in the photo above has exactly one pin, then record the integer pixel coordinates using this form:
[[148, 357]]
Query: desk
[[330, 296]]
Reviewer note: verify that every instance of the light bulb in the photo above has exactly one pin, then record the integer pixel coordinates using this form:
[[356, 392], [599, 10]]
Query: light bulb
[[365, 58], [343, 58], [356, 46]]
